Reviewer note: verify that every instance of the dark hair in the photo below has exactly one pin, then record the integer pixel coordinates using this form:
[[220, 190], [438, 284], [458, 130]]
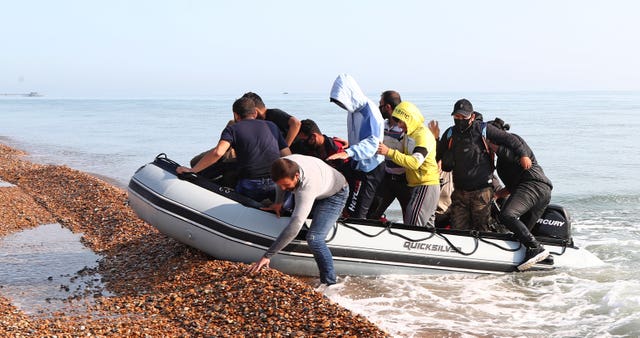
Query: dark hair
[[308, 127], [391, 97], [257, 100], [244, 107], [284, 168], [499, 123]]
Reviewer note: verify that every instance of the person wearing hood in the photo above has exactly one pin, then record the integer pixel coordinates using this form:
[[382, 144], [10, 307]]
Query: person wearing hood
[[420, 162], [394, 183], [365, 127]]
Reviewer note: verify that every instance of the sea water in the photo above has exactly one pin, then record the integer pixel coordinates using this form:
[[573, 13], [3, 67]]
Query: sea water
[[587, 143], [44, 268]]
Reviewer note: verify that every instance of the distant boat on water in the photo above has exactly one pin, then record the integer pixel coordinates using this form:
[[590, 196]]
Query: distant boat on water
[[30, 94]]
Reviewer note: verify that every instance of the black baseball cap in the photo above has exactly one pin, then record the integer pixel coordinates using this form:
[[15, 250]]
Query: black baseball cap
[[462, 106]]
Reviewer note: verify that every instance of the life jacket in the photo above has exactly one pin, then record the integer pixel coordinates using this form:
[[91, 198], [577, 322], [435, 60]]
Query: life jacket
[[491, 153]]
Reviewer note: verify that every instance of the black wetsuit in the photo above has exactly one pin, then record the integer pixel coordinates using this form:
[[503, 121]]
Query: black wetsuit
[[530, 193]]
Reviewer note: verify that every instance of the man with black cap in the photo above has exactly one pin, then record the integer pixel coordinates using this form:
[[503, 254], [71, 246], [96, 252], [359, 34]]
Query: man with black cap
[[464, 151]]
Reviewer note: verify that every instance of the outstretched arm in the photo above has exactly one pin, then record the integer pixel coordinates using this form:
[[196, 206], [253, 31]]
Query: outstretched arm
[[211, 157], [503, 138]]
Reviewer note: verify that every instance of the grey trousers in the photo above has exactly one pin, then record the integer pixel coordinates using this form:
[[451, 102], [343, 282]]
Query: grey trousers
[[422, 205]]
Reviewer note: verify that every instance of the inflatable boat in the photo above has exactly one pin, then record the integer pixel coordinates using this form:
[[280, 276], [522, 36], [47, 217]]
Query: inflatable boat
[[228, 226]]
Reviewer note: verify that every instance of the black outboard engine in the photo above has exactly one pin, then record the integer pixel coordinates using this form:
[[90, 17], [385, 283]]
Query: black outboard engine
[[555, 223]]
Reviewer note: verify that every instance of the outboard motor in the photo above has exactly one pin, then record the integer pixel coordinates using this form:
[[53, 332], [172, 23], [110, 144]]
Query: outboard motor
[[555, 223]]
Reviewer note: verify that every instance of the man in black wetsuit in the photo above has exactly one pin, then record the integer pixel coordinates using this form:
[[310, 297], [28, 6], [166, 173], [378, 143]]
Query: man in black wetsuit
[[529, 194]]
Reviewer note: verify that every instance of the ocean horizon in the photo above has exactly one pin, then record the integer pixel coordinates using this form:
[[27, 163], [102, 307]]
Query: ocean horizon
[[584, 140]]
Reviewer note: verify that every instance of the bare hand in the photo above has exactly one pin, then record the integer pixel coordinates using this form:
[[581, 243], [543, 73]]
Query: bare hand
[[525, 162], [502, 193], [182, 170], [338, 156], [275, 207], [435, 129], [255, 267], [383, 149]]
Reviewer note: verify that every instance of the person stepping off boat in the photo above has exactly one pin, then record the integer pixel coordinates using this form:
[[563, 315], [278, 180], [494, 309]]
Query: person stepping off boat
[[533, 256]]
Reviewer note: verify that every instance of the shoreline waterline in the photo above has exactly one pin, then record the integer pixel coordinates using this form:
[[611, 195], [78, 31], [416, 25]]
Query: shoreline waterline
[[158, 287]]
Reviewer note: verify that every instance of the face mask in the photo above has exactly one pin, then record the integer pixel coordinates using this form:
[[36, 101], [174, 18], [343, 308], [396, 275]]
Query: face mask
[[462, 124]]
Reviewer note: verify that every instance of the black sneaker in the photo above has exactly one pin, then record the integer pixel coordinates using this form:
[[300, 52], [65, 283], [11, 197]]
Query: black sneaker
[[533, 256], [547, 261]]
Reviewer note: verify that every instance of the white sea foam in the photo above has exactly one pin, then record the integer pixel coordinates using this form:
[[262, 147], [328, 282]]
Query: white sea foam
[[525, 304]]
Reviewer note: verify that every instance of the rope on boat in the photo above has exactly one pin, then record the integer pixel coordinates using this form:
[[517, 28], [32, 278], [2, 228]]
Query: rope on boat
[[564, 249], [407, 238], [388, 225], [499, 246], [434, 231]]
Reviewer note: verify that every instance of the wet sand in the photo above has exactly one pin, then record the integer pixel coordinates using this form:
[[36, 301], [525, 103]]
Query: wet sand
[[158, 287]]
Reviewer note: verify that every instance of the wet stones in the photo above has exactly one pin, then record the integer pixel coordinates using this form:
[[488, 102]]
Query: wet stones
[[157, 286]]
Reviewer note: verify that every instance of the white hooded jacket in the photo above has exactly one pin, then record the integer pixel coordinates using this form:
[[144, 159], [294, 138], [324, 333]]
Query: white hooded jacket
[[365, 125]]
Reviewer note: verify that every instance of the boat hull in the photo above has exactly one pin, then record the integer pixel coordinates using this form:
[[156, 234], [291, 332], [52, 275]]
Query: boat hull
[[211, 219]]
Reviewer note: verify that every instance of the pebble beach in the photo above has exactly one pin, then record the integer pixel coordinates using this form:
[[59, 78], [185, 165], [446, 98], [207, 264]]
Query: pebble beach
[[150, 285]]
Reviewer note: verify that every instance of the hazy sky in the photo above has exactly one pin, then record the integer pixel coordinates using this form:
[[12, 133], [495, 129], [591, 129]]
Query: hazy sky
[[176, 48]]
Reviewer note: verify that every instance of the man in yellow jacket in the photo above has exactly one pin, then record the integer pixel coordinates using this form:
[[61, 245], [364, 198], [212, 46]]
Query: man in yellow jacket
[[420, 162]]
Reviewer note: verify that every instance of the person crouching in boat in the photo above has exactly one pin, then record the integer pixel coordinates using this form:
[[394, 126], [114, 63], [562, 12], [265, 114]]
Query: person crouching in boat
[[257, 144], [420, 163], [529, 193], [313, 184]]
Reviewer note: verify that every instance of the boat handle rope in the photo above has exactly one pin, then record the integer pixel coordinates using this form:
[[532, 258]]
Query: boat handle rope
[[388, 228], [476, 241], [499, 246], [388, 225], [407, 238], [476, 235], [564, 249]]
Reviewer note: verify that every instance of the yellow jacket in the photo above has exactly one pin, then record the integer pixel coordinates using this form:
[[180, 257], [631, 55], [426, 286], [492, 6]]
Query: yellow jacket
[[420, 162]]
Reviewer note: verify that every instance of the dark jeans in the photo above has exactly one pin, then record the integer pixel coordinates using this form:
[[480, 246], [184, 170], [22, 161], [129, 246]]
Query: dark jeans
[[223, 173], [523, 208], [362, 190], [392, 187], [257, 188]]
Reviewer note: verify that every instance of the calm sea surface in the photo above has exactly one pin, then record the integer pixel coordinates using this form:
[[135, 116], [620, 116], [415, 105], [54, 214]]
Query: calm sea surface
[[587, 143]]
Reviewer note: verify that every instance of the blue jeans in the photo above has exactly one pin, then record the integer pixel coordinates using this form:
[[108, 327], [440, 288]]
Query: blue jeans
[[325, 215], [257, 188]]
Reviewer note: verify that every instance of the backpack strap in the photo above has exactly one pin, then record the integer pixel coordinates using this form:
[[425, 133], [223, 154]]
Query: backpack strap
[[492, 155], [484, 136], [449, 133]]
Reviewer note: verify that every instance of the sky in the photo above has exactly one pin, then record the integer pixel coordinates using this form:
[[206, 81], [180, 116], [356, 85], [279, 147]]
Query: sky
[[203, 48]]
